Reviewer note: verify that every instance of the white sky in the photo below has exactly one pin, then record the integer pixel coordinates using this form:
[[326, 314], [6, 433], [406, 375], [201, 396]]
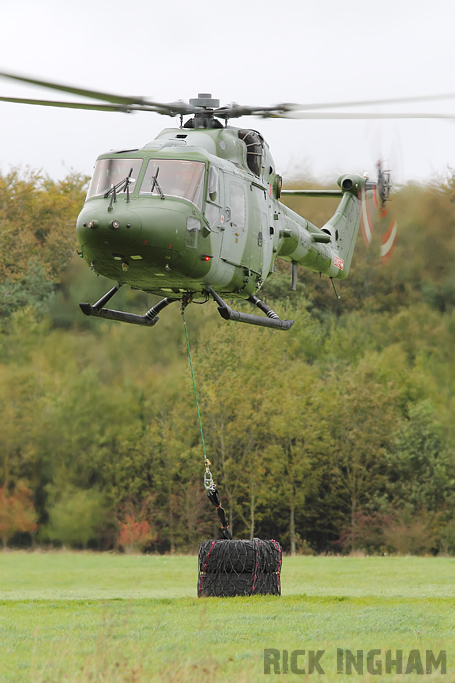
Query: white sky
[[248, 51]]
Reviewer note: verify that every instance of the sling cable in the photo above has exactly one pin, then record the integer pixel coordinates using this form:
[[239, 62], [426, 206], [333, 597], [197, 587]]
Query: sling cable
[[209, 484]]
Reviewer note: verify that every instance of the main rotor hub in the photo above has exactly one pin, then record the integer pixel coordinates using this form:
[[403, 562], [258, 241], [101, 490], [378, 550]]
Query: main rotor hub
[[205, 100]]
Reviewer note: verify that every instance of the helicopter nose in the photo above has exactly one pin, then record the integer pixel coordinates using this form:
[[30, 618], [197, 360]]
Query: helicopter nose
[[163, 227], [99, 228], [169, 236], [163, 235]]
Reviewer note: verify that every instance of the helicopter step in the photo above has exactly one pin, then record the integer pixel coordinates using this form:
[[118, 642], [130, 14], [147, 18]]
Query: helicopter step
[[272, 319], [149, 319]]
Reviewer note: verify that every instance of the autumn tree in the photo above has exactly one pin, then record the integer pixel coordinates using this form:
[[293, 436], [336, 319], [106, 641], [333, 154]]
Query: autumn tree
[[135, 528], [17, 512]]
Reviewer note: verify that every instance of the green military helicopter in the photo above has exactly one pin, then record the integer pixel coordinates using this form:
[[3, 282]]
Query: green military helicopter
[[196, 213]]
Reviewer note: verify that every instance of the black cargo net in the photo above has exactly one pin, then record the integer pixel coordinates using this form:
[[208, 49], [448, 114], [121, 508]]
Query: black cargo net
[[244, 567]]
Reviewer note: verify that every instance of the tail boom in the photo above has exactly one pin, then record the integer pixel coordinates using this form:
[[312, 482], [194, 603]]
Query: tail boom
[[328, 250]]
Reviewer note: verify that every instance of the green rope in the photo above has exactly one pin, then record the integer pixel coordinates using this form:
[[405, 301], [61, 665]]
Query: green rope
[[194, 386]]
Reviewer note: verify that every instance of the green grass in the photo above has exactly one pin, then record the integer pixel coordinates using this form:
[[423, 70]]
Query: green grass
[[100, 617]]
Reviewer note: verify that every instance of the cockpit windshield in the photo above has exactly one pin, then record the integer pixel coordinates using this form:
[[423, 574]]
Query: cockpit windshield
[[109, 172], [175, 178]]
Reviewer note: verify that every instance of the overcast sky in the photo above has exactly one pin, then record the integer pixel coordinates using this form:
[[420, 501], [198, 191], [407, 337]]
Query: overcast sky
[[251, 52]]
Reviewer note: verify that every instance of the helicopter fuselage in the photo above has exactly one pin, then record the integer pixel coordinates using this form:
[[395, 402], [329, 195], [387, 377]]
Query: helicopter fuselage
[[198, 209]]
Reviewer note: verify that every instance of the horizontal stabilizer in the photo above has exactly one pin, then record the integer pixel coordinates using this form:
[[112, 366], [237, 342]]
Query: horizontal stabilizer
[[312, 193]]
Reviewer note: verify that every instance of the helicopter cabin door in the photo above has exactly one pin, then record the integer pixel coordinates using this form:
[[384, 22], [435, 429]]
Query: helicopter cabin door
[[235, 221], [257, 234]]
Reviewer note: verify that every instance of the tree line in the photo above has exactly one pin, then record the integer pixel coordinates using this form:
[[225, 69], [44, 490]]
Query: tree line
[[336, 435]]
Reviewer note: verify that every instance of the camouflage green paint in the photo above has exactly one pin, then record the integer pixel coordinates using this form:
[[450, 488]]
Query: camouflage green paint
[[149, 246]]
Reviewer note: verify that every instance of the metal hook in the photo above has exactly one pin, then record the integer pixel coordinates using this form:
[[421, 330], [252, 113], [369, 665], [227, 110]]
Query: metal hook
[[209, 484], [186, 299]]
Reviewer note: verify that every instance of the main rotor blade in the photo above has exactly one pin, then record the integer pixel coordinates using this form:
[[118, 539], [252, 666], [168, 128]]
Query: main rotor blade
[[137, 103], [94, 94], [68, 105], [356, 115], [235, 111], [284, 109], [364, 103]]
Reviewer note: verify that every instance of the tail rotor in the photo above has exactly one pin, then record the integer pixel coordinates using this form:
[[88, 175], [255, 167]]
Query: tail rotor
[[376, 214]]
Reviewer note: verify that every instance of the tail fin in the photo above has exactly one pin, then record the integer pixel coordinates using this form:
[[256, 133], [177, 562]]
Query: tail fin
[[344, 224]]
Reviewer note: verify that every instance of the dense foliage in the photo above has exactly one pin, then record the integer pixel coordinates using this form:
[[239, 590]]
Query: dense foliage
[[336, 435]]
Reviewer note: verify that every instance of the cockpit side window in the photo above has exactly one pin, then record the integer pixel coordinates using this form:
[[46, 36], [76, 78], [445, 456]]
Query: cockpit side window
[[213, 203], [213, 188]]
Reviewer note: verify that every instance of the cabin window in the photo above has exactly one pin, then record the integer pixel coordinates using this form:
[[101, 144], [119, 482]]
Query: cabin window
[[109, 172], [176, 178], [238, 206]]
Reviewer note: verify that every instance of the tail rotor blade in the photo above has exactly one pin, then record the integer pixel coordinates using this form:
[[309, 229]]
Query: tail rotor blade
[[366, 224], [388, 242]]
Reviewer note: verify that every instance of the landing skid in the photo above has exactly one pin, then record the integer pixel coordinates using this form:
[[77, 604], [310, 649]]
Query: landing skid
[[149, 319], [272, 319]]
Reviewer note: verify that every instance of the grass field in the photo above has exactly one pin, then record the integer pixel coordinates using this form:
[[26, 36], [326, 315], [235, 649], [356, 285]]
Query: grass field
[[100, 617]]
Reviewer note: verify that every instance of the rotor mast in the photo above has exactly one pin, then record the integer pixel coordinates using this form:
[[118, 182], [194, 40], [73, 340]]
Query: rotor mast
[[203, 117]]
